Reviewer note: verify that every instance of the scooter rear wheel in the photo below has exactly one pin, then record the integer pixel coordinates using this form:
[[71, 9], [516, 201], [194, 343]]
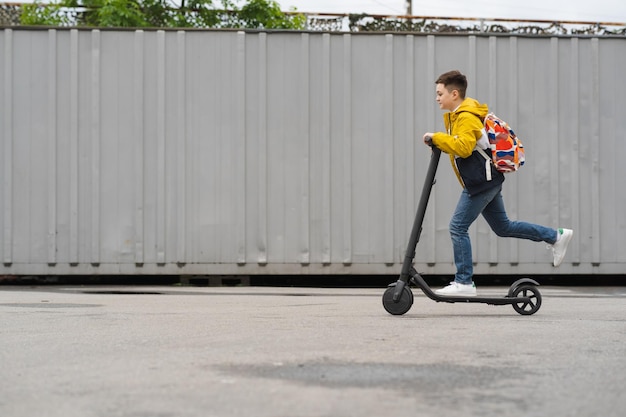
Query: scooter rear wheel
[[402, 305], [531, 292]]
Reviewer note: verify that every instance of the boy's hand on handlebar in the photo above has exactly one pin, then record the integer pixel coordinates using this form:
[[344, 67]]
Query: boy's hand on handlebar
[[428, 138]]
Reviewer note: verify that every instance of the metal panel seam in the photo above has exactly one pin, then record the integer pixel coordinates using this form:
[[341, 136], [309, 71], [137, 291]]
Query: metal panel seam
[[95, 147], [7, 194], [347, 149], [52, 146]]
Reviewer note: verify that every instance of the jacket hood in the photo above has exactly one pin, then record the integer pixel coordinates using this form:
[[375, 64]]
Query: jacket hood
[[471, 105]]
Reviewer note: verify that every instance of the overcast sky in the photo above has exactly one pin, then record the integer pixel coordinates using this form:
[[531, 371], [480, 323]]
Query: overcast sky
[[577, 10]]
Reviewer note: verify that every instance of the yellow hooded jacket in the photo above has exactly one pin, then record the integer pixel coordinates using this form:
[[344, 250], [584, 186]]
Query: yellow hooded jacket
[[464, 128]]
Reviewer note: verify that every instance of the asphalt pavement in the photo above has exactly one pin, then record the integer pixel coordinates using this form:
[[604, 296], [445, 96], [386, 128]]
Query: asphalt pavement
[[160, 351]]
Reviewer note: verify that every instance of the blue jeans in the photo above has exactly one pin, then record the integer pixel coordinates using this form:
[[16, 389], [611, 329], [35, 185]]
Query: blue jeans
[[489, 203]]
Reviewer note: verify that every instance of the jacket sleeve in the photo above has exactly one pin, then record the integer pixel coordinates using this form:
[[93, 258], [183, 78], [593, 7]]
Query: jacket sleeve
[[466, 131]]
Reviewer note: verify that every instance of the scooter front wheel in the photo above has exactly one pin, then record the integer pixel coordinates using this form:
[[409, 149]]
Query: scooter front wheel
[[404, 303], [534, 299]]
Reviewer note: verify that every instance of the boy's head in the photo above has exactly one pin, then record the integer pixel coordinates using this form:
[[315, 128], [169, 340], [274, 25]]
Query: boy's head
[[451, 87]]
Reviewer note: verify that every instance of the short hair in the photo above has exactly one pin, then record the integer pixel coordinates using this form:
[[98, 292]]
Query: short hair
[[453, 80]]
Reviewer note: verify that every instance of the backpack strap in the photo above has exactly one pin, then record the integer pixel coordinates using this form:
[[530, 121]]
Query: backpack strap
[[488, 161]]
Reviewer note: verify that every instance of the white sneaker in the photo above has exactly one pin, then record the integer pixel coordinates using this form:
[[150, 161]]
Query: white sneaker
[[559, 248], [458, 290]]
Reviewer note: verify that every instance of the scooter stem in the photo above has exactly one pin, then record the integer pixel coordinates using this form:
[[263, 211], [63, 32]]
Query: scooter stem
[[429, 181]]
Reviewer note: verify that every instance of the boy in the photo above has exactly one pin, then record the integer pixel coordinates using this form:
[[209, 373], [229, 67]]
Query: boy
[[480, 195]]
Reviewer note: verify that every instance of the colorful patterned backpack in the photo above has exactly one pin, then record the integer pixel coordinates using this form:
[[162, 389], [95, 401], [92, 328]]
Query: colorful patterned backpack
[[507, 151]]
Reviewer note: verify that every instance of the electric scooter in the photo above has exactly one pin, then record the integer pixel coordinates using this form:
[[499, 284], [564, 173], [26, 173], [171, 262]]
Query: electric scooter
[[523, 294]]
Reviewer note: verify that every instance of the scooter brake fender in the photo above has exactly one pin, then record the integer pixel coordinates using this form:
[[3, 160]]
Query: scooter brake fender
[[519, 282]]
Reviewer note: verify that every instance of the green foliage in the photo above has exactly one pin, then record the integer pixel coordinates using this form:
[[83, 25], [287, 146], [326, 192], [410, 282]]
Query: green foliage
[[203, 14], [120, 13], [261, 14], [267, 14], [37, 14]]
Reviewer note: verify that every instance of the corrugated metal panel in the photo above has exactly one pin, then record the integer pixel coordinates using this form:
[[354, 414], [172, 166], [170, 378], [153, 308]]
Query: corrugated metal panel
[[228, 152]]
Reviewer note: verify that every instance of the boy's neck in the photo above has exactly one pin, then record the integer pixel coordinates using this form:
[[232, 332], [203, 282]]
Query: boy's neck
[[457, 104]]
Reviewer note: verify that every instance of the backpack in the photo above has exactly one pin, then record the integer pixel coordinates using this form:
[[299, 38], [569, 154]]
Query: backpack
[[507, 151]]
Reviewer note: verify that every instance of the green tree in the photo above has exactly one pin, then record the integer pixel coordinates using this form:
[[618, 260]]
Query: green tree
[[162, 13], [35, 14], [118, 13], [267, 14]]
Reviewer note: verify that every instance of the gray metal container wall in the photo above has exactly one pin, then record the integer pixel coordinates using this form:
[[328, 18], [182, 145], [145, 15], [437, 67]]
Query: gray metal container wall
[[208, 152]]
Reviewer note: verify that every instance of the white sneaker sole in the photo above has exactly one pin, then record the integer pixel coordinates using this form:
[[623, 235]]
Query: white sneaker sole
[[456, 294]]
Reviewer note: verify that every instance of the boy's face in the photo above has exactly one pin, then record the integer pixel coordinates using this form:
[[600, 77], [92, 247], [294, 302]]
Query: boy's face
[[447, 99]]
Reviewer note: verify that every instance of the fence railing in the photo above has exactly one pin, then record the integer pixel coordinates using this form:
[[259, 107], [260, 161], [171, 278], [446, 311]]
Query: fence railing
[[439, 24]]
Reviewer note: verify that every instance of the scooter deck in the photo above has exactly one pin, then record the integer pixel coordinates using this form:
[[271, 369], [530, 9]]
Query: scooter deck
[[500, 301]]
